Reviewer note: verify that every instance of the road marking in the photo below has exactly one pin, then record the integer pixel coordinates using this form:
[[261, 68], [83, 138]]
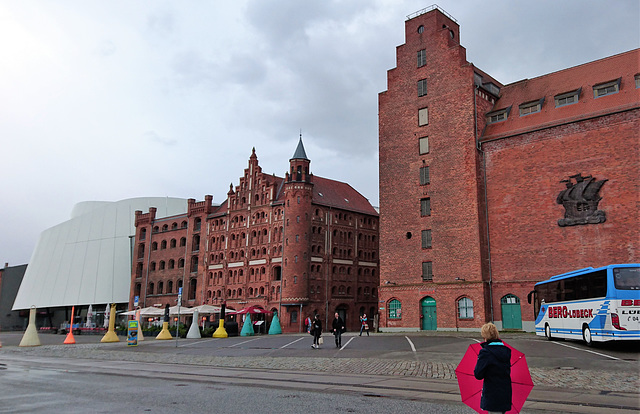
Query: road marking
[[240, 343], [593, 352], [413, 348], [476, 340], [194, 343], [291, 343], [345, 345]]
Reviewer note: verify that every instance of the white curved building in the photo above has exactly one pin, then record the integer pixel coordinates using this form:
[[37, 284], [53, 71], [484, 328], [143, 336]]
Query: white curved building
[[87, 259]]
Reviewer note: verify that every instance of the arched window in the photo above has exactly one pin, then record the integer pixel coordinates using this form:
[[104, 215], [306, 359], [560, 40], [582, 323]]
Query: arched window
[[151, 286], [154, 246], [143, 234], [173, 243], [465, 308], [160, 287], [395, 309], [197, 223], [172, 264], [180, 263], [162, 265], [183, 241], [170, 286], [153, 266], [174, 226]]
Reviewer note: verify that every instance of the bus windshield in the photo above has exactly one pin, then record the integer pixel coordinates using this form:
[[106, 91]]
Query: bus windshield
[[627, 278]]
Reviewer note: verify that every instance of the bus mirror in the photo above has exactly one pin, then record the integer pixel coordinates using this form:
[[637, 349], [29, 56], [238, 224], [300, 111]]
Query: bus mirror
[[530, 296]]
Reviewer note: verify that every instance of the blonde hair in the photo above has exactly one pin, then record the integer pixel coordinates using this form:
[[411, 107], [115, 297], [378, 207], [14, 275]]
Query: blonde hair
[[489, 332]]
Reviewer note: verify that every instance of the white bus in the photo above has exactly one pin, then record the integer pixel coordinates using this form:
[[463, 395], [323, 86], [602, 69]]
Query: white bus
[[594, 305]]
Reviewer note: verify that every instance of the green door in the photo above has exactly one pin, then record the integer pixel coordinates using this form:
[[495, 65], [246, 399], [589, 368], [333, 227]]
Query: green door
[[429, 320], [511, 318]]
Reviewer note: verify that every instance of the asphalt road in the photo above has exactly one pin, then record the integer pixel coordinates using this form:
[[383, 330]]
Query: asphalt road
[[66, 391], [414, 367], [446, 347]]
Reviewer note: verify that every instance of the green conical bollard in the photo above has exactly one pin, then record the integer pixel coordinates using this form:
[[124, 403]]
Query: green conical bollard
[[247, 328], [275, 328]]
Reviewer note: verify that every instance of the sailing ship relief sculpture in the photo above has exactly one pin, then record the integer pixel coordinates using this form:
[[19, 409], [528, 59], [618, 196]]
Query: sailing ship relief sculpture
[[580, 200]]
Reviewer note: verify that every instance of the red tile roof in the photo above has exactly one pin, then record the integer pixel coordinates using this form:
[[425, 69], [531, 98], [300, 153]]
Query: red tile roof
[[340, 195], [625, 66]]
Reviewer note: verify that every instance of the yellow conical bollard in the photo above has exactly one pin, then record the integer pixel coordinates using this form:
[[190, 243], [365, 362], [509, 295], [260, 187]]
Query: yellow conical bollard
[[220, 332], [111, 336], [140, 335], [164, 333], [30, 337]]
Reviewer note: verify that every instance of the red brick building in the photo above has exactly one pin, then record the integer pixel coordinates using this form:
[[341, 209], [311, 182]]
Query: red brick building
[[298, 245], [473, 173]]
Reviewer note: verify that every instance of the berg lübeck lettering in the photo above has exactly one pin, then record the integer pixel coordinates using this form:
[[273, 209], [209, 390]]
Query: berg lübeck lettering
[[563, 312]]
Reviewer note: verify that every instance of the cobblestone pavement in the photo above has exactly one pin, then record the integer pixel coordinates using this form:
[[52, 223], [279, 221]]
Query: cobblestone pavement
[[558, 378]]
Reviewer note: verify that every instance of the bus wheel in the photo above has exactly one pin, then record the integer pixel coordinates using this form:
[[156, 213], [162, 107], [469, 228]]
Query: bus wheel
[[586, 335], [547, 332]]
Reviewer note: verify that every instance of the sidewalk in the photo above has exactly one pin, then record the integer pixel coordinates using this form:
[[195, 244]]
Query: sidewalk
[[428, 381]]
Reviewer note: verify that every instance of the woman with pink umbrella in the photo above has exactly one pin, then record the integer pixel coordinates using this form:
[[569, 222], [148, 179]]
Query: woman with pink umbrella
[[494, 367]]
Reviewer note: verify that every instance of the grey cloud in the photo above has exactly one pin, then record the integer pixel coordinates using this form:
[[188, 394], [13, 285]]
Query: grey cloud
[[153, 136]]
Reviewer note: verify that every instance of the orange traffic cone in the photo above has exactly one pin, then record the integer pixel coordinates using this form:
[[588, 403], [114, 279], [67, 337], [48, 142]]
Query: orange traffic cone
[[70, 339]]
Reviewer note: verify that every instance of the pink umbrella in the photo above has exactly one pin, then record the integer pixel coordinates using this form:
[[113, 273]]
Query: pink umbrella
[[252, 310], [471, 388]]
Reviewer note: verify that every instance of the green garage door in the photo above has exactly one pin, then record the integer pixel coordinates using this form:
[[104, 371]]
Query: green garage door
[[429, 320], [511, 317]]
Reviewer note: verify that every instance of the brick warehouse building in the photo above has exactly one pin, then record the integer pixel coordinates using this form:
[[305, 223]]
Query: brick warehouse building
[[487, 174], [298, 245]]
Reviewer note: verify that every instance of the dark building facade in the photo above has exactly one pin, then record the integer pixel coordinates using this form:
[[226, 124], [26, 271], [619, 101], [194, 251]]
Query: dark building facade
[[473, 174], [298, 245], [10, 279]]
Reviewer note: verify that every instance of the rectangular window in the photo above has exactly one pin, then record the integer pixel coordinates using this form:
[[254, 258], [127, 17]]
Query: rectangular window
[[427, 274], [423, 117], [425, 207], [424, 175], [422, 87], [608, 88], [531, 107], [422, 58], [637, 78], [424, 145], [567, 98], [426, 239], [498, 116]]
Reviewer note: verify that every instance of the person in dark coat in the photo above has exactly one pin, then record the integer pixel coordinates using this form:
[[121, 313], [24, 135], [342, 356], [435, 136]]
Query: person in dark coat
[[338, 328], [316, 328], [494, 367]]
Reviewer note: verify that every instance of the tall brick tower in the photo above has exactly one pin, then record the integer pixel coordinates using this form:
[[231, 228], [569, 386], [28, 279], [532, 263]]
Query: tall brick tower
[[298, 194], [431, 223]]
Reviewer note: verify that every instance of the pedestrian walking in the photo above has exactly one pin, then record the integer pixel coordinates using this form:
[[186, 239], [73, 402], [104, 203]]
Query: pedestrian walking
[[364, 324], [494, 367], [316, 328], [338, 329]]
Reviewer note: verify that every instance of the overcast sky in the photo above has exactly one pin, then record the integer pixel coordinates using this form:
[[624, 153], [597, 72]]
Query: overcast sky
[[108, 100]]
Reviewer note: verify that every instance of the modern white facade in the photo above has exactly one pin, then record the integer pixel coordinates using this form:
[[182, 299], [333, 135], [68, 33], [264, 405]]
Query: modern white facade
[[87, 259]]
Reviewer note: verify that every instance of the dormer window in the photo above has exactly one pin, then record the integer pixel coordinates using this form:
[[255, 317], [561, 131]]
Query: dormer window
[[531, 107], [567, 98], [498, 116], [608, 88]]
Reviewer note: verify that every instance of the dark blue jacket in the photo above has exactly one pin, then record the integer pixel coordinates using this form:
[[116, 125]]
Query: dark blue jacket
[[494, 367]]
